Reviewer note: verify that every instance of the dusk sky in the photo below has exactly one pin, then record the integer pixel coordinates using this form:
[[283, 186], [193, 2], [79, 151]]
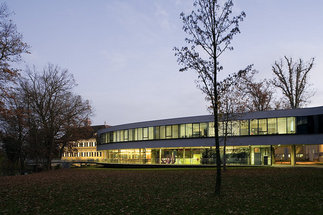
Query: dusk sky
[[120, 51]]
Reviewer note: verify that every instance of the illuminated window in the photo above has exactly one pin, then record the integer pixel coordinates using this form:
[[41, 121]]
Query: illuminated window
[[272, 126], [282, 125], [291, 125], [262, 126], [235, 128], [131, 131], [168, 131], [174, 131], [126, 135], [162, 132], [196, 129], [244, 127], [139, 133], [221, 128], [182, 131], [211, 129], [203, 129], [188, 130], [145, 133], [135, 137], [157, 133], [254, 127], [122, 135], [151, 133]]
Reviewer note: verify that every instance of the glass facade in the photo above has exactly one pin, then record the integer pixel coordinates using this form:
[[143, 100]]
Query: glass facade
[[270, 126]]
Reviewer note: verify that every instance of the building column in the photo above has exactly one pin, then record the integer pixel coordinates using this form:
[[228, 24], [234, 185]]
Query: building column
[[293, 155], [272, 152], [183, 155], [160, 152]]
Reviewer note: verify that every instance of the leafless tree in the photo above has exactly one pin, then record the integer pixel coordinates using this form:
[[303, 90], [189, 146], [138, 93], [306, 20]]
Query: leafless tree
[[210, 28], [53, 107], [292, 79], [258, 95], [11, 49]]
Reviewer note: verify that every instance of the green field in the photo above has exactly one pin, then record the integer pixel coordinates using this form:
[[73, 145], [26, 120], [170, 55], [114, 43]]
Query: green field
[[166, 191]]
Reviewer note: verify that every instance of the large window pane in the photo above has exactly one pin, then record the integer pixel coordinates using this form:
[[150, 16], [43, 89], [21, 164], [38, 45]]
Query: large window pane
[[203, 129], [291, 125], [272, 126], [182, 131], [139, 133], [189, 129], [151, 133], [175, 131], [211, 129], [262, 126], [157, 133], [254, 127], [221, 129], [135, 138], [282, 125], [168, 131], [145, 133], [122, 135], [196, 130], [162, 132], [126, 135], [244, 127], [114, 136], [131, 131], [235, 128]]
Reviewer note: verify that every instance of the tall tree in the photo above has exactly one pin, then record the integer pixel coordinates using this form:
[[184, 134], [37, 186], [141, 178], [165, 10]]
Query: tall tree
[[53, 108], [258, 95], [210, 28], [11, 48], [292, 79]]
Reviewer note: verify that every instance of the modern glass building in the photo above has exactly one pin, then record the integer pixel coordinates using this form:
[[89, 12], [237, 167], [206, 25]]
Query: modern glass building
[[256, 138]]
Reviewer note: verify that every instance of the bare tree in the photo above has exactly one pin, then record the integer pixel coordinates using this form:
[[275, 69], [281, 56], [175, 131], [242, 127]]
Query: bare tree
[[210, 29], [292, 79], [258, 95], [53, 107], [11, 48]]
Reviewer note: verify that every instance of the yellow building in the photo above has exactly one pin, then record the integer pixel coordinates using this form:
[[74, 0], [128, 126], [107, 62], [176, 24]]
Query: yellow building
[[84, 150]]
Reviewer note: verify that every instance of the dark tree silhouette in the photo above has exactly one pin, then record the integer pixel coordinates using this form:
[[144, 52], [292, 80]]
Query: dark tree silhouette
[[292, 79], [11, 49], [53, 108], [210, 28], [258, 95]]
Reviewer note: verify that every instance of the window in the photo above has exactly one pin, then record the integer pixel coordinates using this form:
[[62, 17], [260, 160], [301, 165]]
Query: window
[[272, 126], [162, 132], [291, 125], [168, 131], [211, 129], [188, 130], [115, 136], [262, 126], [174, 131], [135, 137], [126, 135], [244, 127], [182, 131], [151, 133], [145, 133], [139, 133], [157, 133], [203, 129], [196, 130], [221, 128], [282, 125], [254, 127], [122, 135], [131, 131], [235, 128]]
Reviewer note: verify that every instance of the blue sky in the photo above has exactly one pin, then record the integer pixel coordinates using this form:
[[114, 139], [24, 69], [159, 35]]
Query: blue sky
[[120, 51]]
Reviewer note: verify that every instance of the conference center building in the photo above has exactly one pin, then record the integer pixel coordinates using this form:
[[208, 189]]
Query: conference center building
[[286, 137]]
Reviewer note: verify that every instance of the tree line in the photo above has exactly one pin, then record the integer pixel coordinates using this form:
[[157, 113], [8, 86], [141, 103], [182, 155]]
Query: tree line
[[210, 29], [39, 112]]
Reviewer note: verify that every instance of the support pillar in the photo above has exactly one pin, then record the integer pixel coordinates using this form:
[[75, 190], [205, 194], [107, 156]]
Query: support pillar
[[272, 152], [160, 152], [293, 155], [183, 155]]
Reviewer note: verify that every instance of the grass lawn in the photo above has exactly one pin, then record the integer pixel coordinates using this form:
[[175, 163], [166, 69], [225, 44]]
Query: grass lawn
[[166, 191]]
